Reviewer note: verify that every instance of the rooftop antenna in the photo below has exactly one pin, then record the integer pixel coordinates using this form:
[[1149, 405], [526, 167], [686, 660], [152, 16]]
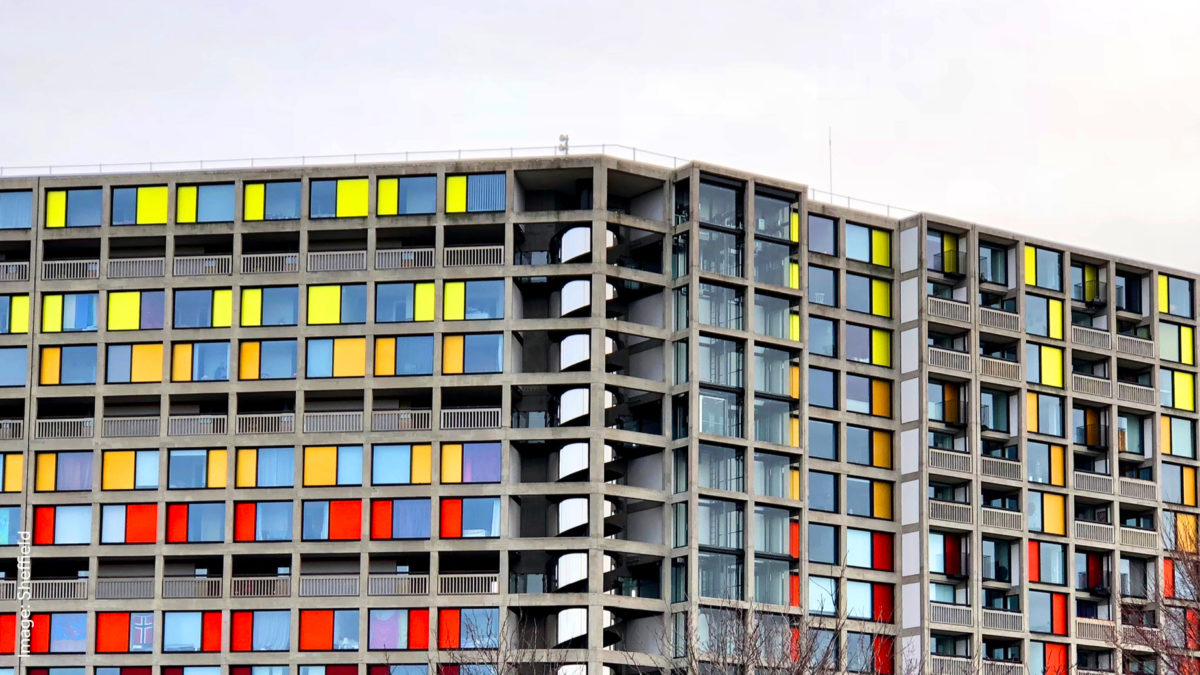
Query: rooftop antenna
[[564, 144]]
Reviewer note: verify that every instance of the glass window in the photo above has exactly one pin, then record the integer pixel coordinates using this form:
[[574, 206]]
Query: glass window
[[822, 286], [417, 194], [14, 366], [411, 518], [480, 462], [210, 361], [10, 524], [485, 192], [822, 336], [772, 371], [993, 410], [1179, 297], [16, 210], [822, 439], [484, 299], [275, 467], [414, 355], [772, 421], [397, 302], [1048, 269], [771, 316], [720, 413], [322, 200], [822, 234], [822, 595], [187, 469], [280, 306], [993, 264], [771, 530], [1037, 315], [720, 467], [205, 522], [822, 388], [720, 306], [720, 252], [481, 517], [720, 205], [214, 203], [483, 353], [772, 262], [83, 207], [720, 361], [773, 216], [772, 475], [281, 200], [822, 491], [822, 544], [719, 523], [277, 359]]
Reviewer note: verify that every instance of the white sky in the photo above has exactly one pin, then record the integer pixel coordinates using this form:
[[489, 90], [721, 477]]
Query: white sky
[[1077, 121]]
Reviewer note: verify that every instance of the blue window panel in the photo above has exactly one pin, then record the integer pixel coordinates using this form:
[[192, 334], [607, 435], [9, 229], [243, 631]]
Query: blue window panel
[[16, 210], [484, 299], [152, 310], [280, 306], [485, 192], [322, 200], [210, 361], [272, 631], [124, 206], [479, 628], [79, 312], [391, 464], [414, 355], [118, 364], [78, 365], [181, 631], [315, 525], [72, 524], [349, 465], [394, 302], [10, 524], [14, 366], [5, 313], [214, 203], [319, 360], [276, 467], [418, 194], [187, 469], [481, 462], [145, 472], [193, 309], [112, 524], [84, 207], [354, 303], [481, 517], [68, 633], [206, 522], [277, 360], [483, 352], [282, 201], [273, 521], [411, 518]]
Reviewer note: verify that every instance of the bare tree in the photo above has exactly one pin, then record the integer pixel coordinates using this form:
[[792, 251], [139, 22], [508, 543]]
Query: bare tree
[[503, 645]]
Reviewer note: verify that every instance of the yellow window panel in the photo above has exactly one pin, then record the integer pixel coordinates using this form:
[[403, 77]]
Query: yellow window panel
[[452, 354], [422, 464], [248, 361], [51, 364], [1185, 392], [124, 310], [1030, 265], [251, 306], [423, 302], [218, 462], [794, 435], [794, 381], [950, 253], [1164, 295], [56, 208], [385, 356], [350, 357], [881, 248], [255, 198], [1055, 307], [453, 300], [45, 467], [1189, 485], [881, 347], [883, 500], [451, 463], [794, 275], [794, 229], [1054, 518], [1187, 347], [14, 472], [1185, 532], [456, 194], [1052, 366], [1031, 412], [181, 363], [881, 442], [387, 197], [352, 197], [881, 398], [1058, 465], [222, 310], [794, 492], [52, 310], [794, 328], [18, 314], [119, 467], [1091, 282], [320, 465], [247, 467], [1164, 426], [185, 204], [146, 363], [324, 305], [881, 297], [152, 205]]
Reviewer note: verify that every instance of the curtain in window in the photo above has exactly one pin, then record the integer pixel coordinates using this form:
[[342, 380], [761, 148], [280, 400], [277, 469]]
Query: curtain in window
[[271, 631]]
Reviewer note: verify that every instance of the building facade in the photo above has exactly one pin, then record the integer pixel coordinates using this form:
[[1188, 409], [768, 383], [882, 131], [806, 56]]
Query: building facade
[[579, 413]]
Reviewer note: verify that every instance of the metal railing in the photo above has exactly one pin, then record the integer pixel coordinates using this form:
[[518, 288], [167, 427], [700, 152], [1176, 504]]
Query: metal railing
[[202, 265], [328, 585], [1095, 629], [58, 589], [12, 430], [995, 318], [1091, 385], [1002, 519], [953, 310], [995, 467], [950, 460], [1098, 532], [8, 589], [1006, 370], [951, 665], [197, 425], [404, 258], [398, 584], [1127, 344], [270, 263], [401, 420], [14, 271], [1090, 337], [950, 511], [67, 427], [129, 427], [472, 256], [952, 360], [471, 418], [260, 587], [1000, 620], [191, 587], [955, 615], [1003, 668], [136, 268], [266, 423], [1093, 482], [124, 588], [1131, 536], [1133, 488], [70, 270], [337, 261], [1136, 393], [468, 584], [333, 422]]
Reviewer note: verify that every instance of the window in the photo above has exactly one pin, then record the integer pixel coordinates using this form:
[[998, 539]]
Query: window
[[75, 364], [62, 524], [945, 402], [720, 467], [470, 517], [204, 308], [721, 362], [196, 523], [129, 470], [720, 306], [822, 439], [338, 198], [773, 317], [1174, 296], [1044, 365], [1047, 612], [332, 520], [192, 469], [1047, 513], [868, 345], [270, 306], [822, 234], [1177, 389], [204, 203], [948, 554], [471, 462], [868, 244], [333, 465], [721, 205], [1044, 414], [869, 602], [822, 595], [328, 630], [993, 264], [1178, 484], [822, 388], [404, 355], [135, 310], [773, 476], [867, 653], [1043, 268], [337, 304], [10, 524], [260, 630], [78, 207], [993, 410], [773, 263], [191, 631], [1176, 343], [279, 200], [266, 467], [822, 286], [1046, 658], [1178, 437], [823, 544], [720, 413], [774, 217], [58, 633], [869, 447], [772, 582], [943, 251], [14, 314], [475, 193], [473, 300], [124, 632], [128, 364], [868, 498], [407, 195], [822, 336], [720, 575], [336, 357], [773, 532], [472, 353], [1044, 316], [69, 312], [1046, 463], [822, 491], [1048, 563], [720, 251], [16, 209], [477, 628], [868, 395], [200, 362], [389, 629], [139, 205], [128, 523], [267, 360], [262, 521], [401, 464], [14, 365], [869, 550], [63, 471], [400, 518], [867, 295], [407, 301], [12, 471], [720, 523]]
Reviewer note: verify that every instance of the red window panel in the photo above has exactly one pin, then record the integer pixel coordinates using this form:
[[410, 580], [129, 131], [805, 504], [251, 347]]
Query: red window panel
[[1168, 577], [1192, 625], [881, 551], [795, 646], [885, 655], [345, 520], [112, 632], [1058, 613], [39, 634], [794, 591], [1055, 659], [350, 669], [210, 636], [243, 521], [136, 670], [883, 609], [43, 525], [177, 517], [451, 519], [141, 524], [447, 670], [316, 630], [448, 629], [1035, 561], [418, 629], [794, 532], [240, 670], [381, 520], [953, 555], [8, 633], [241, 631], [1095, 571]]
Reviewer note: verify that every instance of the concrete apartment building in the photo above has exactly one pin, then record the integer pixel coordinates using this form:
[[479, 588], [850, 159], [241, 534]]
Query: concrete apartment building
[[352, 420]]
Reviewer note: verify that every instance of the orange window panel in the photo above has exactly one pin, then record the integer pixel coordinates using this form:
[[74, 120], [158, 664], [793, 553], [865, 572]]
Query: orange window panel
[[448, 629], [146, 363], [112, 632], [141, 523], [385, 356], [881, 398], [452, 354], [248, 363], [316, 629], [345, 520]]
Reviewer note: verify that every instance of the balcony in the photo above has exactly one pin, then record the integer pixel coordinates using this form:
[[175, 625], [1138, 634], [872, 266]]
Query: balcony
[[1000, 468], [12, 430], [191, 587], [124, 588], [949, 359], [337, 261], [1092, 386], [401, 420], [270, 263], [473, 256], [129, 427], [471, 418], [1003, 668], [468, 584], [328, 585], [137, 268], [266, 423], [951, 512], [398, 584], [14, 271], [8, 590], [951, 665], [995, 318], [404, 258], [1147, 539], [954, 615], [1005, 370], [58, 589], [1097, 532], [197, 425], [260, 587], [202, 265], [1002, 519], [949, 460], [1135, 346], [336, 422], [1090, 337], [70, 270], [67, 427], [1135, 393], [940, 308], [1093, 482], [1095, 629], [996, 619], [1132, 488]]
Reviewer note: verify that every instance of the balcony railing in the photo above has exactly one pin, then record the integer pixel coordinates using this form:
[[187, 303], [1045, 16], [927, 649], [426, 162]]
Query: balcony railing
[[337, 261], [130, 427], [1090, 337], [1000, 620], [67, 427], [270, 263], [124, 588], [1093, 482], [471, 418], [58, 589], [398, 584], [1148, 539], [191, 587], [472, 256], [136, 268], [1007, 370], [951, 512], [1136, 393], [14, 271], [949, 359], [995, 467], [70, 270], [468, 584], [951, 665], [1095, 629], [949, 460], [955, 615], [1127, 344], [260, 587], [197, 425], [1090, 385], [1002, 519], [328, 585], [8, 590], [333, 422], [1003, 668], [401, 420], [1097, 532], [266, 423], [202, 265], [1132, 488], [403, 258], [941, 308], [996, 318], [12, 430]]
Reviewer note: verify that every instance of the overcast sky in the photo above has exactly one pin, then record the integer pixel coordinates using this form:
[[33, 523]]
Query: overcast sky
[[1077, 121]]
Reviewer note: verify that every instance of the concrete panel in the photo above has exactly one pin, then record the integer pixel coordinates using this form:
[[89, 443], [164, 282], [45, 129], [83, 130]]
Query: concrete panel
[[910, 299]]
